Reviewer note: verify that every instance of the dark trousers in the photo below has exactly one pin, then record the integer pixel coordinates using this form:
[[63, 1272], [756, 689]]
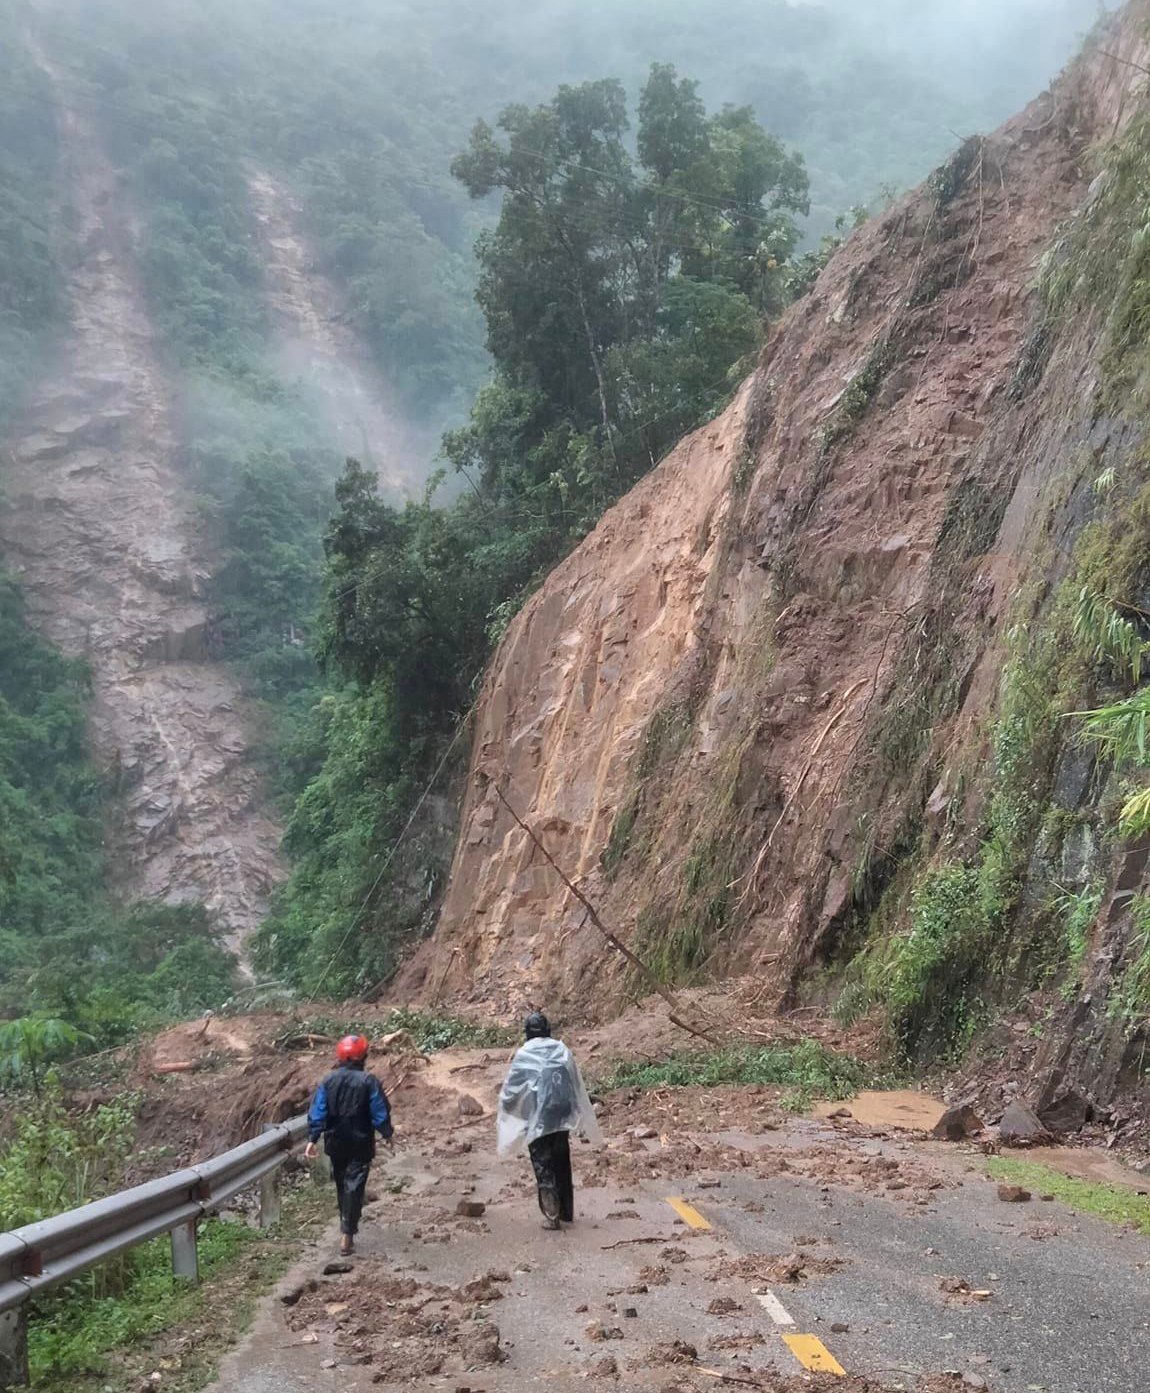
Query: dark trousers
[[350, 1176], [551, 1158]]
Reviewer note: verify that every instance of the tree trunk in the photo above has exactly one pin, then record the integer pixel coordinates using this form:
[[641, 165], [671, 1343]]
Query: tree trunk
[[595, 363]]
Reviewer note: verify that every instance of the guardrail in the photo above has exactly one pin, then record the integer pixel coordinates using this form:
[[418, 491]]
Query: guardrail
[[38, 1256]]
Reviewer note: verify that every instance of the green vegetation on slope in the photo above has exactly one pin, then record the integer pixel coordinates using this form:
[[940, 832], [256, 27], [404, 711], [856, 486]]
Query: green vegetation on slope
[[65, 948]]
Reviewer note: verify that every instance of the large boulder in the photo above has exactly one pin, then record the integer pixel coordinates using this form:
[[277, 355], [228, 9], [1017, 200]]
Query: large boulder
[[1070, 1111], [957, 1123], [1020, 1126]]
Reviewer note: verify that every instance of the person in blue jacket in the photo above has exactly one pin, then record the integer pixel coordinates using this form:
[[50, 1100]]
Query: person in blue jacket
[[348, 1109]]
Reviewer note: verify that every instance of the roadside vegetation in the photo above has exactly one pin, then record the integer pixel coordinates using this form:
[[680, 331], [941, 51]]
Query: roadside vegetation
[[148, 1320], [56, 1157], [807, 1071], [1117, 1204]]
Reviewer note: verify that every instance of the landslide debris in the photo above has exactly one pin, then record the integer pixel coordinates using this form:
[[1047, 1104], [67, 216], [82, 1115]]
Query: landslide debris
[[404, 1328]]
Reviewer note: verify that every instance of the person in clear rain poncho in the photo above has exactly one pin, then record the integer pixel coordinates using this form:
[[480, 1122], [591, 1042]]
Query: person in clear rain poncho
[[544, 1100]]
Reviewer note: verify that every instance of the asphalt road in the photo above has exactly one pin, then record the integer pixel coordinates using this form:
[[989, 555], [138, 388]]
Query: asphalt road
[[1068, 1310]]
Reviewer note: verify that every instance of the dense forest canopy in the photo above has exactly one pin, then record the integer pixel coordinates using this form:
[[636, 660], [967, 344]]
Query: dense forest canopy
[[367, 104], [559, 232]]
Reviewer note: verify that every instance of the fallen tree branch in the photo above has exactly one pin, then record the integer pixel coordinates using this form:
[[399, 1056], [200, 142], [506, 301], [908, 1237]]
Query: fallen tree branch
[[306, 1041], [466, 1068], [839, 713], [627, 1242], [617, 943]]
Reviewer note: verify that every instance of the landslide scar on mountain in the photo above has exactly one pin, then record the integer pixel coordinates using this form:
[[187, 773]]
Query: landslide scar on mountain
[[99, 530], [760, 665], [319, 349]]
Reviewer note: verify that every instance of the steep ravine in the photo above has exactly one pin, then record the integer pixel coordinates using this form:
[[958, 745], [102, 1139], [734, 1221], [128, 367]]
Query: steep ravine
[[764, 688], [99, 529]]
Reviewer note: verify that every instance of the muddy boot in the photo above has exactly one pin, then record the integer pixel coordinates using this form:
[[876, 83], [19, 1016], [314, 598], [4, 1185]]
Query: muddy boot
[[346, 1245]]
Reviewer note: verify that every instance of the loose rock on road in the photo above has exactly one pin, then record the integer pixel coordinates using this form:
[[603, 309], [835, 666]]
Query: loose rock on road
[[783, 1256]]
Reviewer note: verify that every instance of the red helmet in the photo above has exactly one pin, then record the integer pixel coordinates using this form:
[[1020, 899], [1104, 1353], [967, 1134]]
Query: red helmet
[[351, 1049]]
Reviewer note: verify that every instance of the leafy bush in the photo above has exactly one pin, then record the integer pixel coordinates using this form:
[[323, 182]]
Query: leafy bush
[[80, 1335], [56, 1159], [809, 1070], [29, 1044]]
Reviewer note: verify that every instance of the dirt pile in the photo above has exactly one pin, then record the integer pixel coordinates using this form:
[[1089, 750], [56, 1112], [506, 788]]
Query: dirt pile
[[208, 1085], [765, 680], [403, 1328], [785, 1269]]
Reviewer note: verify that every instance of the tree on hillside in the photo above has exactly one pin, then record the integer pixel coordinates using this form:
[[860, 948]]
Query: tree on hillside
[[550, 270], [621, 296], [590, 282]]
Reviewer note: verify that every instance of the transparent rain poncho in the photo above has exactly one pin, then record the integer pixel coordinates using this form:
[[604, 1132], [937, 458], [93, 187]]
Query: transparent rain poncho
[[543, 1093]]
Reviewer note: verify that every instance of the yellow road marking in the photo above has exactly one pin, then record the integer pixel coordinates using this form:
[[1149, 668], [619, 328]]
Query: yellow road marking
[[688, 1214], [811, 1353]]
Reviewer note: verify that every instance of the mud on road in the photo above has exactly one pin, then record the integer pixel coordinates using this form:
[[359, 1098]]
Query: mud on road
[[795, 1249]]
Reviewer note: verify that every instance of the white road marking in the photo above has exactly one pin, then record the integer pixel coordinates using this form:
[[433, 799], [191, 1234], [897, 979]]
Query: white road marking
[[773, 1307]]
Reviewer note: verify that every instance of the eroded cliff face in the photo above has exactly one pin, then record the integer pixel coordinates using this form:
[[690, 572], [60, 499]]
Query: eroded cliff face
[[99, 529], [771, 672]]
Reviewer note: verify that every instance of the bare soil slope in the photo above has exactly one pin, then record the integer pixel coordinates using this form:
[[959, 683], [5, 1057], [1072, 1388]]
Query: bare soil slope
[[782, 649], [101, 532]]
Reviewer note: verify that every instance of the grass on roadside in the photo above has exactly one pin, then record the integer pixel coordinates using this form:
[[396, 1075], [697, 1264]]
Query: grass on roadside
[[89, 1344], [807, 1071], [1114, 1203]]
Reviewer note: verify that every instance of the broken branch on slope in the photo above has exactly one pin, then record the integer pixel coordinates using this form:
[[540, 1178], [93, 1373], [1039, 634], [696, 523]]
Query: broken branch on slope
[[613, 939]]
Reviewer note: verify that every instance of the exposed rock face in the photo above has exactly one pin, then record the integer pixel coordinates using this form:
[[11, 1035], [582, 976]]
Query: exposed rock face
[[98, 528], [317, 347], [851, 533]]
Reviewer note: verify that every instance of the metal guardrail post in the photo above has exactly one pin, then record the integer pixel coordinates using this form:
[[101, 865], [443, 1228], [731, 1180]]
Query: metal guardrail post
[[13, 1349], [271, 1206], [185, 1253]]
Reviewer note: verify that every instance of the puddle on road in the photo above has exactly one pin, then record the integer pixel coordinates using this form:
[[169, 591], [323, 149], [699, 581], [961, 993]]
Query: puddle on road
[[900, 1107]]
